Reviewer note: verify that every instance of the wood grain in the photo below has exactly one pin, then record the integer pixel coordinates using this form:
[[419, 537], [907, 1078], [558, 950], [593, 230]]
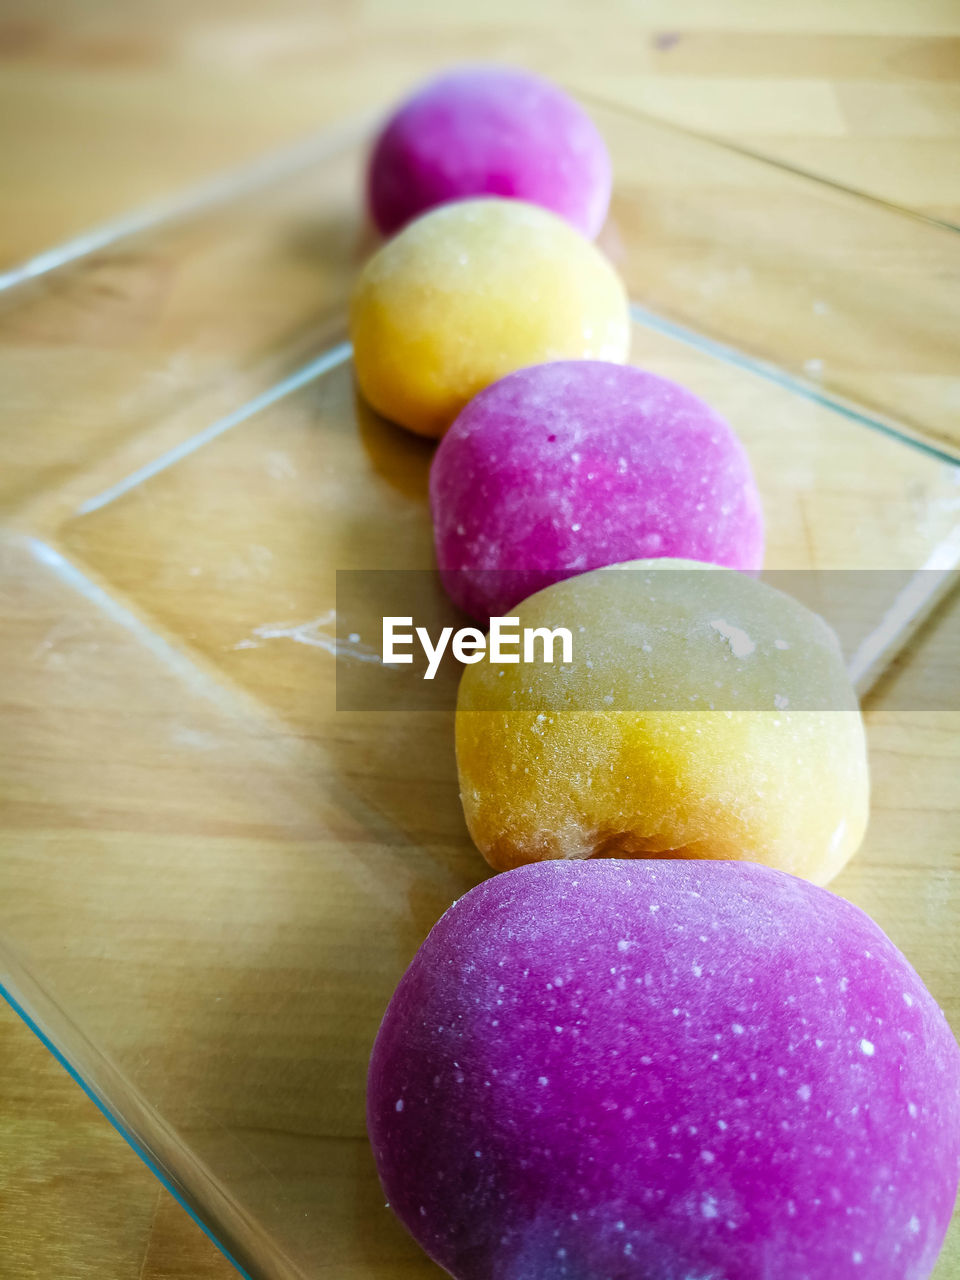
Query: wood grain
[[105, 105], [74, 1199]]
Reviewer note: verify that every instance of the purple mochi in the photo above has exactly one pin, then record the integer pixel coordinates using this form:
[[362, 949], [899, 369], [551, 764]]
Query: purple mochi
[[566, 467], [489, 131], [651, 1070]]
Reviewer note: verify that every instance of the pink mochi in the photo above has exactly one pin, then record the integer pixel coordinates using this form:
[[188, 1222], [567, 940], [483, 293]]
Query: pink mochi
[[618, 1070], [565, 467], [489, 131]]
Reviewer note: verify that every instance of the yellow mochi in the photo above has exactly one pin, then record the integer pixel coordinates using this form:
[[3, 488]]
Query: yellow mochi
[[704, 715], [469, 293]]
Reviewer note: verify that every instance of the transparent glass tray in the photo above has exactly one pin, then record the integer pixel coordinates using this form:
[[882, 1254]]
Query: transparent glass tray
[[211, 880]]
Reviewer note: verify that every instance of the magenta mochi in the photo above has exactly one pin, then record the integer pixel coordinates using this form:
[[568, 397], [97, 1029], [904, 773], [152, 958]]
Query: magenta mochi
[[651, 1070], [565, 467], [489, 131]]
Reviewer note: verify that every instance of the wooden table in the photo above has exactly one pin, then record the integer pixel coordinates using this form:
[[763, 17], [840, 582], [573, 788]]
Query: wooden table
[[104, 106]]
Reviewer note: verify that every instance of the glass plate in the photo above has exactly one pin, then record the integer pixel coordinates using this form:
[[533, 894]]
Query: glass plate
[[211, 879]]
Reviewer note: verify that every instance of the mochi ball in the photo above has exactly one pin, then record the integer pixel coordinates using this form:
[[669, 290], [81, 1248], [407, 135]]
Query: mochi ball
[[471, 292], [665, 1071], [489, 131], [570, 466], [702, 714]]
